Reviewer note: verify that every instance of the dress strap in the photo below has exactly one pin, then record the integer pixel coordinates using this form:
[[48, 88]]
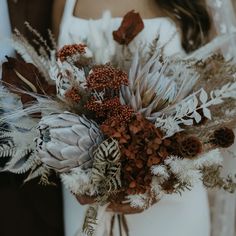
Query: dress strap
[[69, 8], [67, 16]]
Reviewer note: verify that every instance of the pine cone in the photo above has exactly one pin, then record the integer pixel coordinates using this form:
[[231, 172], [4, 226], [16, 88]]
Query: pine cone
[[67, 141]]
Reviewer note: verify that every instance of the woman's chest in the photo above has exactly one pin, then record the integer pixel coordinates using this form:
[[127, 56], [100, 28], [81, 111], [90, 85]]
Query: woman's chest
[[88, 9]]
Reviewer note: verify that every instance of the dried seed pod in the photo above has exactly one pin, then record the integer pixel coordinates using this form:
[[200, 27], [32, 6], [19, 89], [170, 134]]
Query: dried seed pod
[[223, 137], [190, 147]]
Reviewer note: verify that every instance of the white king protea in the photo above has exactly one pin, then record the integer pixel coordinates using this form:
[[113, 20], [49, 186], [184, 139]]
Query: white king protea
[[67, 141], [155, 84]]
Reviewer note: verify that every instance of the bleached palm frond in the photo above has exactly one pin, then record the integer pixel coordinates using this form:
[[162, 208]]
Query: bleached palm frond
[[90, 220], [43, 61], [106, 167], [211, 47]]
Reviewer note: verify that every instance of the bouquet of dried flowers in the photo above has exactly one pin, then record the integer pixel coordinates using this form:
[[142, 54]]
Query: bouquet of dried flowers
[[130, 130]]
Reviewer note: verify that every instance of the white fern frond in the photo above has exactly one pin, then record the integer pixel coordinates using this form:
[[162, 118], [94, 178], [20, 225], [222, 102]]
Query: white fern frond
[[23, 165], [37, 170], [187, 111]]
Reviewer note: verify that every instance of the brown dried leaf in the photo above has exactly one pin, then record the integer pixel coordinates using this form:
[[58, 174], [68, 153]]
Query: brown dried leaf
[[131, 25], [20, 76]]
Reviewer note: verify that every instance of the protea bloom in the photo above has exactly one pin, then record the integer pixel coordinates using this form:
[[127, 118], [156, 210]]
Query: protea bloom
[[154, 84], [67, 141]]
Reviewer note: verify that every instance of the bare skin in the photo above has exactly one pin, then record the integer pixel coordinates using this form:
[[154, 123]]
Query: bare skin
[[90, 9]]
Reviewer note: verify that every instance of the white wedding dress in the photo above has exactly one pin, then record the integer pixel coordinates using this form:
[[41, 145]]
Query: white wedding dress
[[174, 215]]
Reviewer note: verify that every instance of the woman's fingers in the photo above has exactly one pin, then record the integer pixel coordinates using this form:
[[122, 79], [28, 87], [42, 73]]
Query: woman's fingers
[[123, 208], [84, 200]]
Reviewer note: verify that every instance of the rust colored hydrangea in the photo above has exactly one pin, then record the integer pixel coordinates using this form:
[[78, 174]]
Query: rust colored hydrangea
[[70, 50], [106, 77], [141, 146]]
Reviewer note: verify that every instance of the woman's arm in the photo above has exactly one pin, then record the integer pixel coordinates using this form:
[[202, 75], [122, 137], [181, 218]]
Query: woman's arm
[[57, 12]]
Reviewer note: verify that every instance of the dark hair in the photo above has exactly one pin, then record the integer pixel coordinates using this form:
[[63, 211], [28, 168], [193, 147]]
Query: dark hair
[[193, 19]]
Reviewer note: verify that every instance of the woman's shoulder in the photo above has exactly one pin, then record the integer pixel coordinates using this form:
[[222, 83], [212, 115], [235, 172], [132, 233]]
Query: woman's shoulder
[[57, 13]]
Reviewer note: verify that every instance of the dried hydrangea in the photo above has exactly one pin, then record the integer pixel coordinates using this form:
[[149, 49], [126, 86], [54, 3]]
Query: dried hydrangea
[[142, 147]]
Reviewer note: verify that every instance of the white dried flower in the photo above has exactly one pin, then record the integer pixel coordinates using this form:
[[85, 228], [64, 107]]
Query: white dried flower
[[160, 171], [213, 157], [138, 201], [78, 181], [184, 169]]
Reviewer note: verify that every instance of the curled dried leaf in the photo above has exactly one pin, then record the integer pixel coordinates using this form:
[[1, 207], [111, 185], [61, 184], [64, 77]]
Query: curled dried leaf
[[131, 26], [21, 77]]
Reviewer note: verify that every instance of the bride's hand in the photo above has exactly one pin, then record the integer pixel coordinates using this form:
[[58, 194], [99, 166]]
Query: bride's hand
[[114, 207], [123, 208], [85, 200]]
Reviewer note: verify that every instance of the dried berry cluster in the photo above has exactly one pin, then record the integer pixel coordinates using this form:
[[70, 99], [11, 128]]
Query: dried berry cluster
[[103, 107], [119, 114], [110, 110], [106, 77], [141, 146], [73, 95], [69, 50], [108, 80]]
